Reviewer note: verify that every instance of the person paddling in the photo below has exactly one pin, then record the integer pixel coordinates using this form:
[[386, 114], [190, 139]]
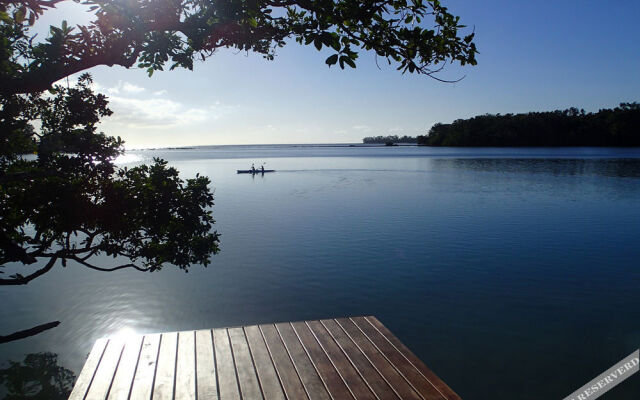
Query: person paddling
[[253, 169]]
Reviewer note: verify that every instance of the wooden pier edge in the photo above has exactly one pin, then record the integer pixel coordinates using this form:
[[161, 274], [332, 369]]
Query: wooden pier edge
[[331, 359]]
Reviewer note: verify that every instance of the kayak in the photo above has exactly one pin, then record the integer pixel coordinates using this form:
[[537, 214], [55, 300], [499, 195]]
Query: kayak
[[257, 171]]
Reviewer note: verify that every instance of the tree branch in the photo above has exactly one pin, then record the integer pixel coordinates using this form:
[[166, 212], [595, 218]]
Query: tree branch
[[23, 280], [123, 266], [42, 78], [13, 251]]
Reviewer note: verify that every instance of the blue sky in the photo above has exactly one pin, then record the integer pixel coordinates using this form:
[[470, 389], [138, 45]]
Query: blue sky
[[534, 56]]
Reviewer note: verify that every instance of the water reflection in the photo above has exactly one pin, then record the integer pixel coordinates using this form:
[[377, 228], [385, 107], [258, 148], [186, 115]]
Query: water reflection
[[623, 168], [128, 158], [37, 377]]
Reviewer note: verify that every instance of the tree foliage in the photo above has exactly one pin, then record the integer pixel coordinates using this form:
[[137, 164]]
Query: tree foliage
[[154, 33], [608, 127], [70, 202], [388, 139]]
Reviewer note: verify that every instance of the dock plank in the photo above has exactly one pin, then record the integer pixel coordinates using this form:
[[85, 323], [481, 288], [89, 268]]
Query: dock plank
[[267, 375], [442, 387], [247, 378], [306, 371], [88, 371], [106, 370], [227, 381], [163, 384], [206, 382], [375, 381], [186, 364], [145, 371], [380, 363], [408, 371], [353, 358], [125, 373], [291, 383], [331, 378], [341, 363]]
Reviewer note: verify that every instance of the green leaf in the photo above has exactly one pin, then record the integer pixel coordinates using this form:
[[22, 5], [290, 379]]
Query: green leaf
[[336, 43], [327, 39], [349, 62], [18, 16], [332, 60]]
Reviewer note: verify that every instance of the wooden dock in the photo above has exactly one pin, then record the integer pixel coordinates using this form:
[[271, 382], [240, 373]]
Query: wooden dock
[[347, 358]]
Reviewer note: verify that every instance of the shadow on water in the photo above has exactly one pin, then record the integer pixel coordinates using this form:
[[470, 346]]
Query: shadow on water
[[37, 377]]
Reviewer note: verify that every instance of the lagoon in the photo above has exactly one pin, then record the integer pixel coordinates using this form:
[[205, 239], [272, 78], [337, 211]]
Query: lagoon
[[513, 273]]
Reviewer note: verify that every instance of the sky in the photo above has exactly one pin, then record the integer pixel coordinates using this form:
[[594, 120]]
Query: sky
[[534, 56]]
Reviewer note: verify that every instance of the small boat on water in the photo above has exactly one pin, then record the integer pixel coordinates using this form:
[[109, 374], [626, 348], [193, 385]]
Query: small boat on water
[[257, 171]]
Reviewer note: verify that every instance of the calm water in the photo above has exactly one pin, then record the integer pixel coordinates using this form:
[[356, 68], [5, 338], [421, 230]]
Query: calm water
[[513, 273]]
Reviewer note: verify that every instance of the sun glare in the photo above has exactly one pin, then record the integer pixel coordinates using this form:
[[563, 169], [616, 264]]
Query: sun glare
[[127, 158], [124, 335]]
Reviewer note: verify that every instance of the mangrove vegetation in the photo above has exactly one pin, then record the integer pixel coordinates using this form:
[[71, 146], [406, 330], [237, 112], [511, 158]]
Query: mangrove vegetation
[[608, 127]]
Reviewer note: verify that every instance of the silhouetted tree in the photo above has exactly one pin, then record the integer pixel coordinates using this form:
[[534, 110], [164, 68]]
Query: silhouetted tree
[[617, 127], [70, 202], [388, 139]]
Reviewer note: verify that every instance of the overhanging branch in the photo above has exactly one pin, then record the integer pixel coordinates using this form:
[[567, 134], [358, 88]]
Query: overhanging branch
[[13, 251], [42, 78], [123, 266], [23, 280]]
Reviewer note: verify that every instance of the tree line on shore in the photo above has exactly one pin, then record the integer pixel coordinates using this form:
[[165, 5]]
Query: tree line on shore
[[389, 139], [572, 127]]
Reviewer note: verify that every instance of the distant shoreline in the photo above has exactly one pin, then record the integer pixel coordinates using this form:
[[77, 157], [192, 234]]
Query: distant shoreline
[[269, 144], [618, 127], [361, 145]]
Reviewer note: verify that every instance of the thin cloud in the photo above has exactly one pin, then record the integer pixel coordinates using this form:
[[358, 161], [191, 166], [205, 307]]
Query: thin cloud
[[160, 113], [124, 87], [362, 128], [131, 88]]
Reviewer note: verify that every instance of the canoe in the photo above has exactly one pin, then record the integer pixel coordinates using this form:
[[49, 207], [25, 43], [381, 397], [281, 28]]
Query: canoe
[[257, 171]]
